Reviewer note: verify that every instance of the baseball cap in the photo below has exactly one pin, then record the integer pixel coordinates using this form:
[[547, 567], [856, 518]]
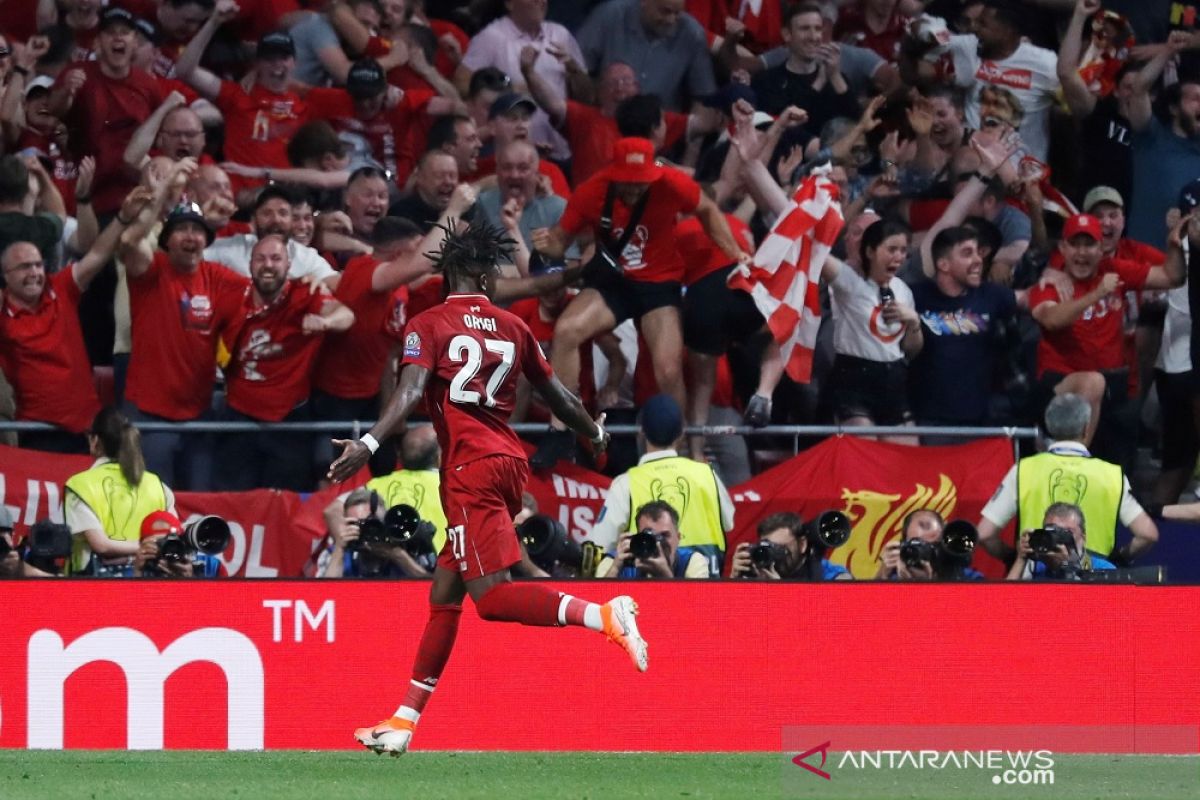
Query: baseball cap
[[147, 29], [1102, 194], [633, 161], [724, 98], [184, 212], [115, 15], [506, 103], [276, 44], [1084, 224], [366, 79], [661, 420], [6, 520], [1189, 197], [41, 83], [159, 522]]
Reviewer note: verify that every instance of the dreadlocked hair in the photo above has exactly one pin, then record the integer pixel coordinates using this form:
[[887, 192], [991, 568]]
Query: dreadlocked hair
[[473, 252]]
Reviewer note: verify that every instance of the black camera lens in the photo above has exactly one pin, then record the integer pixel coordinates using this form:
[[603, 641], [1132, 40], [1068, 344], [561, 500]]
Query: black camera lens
[[831, 528], [173, 547], [208, 534], [959, 538]]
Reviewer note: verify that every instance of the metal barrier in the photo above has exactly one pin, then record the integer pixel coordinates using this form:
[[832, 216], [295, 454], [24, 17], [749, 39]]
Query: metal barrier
[[358, 427]]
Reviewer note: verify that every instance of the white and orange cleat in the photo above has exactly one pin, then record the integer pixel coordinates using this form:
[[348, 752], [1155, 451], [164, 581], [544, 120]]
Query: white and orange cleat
[[390, 736], [619, 616]]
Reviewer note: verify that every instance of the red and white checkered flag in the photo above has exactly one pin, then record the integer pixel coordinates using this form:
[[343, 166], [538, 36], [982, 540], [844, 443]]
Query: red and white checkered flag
[[785, 275]]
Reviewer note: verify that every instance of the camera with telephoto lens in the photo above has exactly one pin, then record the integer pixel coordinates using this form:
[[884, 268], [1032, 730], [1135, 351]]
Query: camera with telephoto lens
[[401, 526], [826, 531], [547, 543], [644, 544], [209, 535], [1044, 541]]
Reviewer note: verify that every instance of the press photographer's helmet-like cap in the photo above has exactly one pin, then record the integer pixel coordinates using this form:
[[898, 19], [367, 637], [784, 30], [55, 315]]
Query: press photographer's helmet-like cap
[[661, 420]]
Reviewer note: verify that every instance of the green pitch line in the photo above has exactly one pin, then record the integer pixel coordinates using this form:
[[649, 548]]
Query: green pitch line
[[533, 776]]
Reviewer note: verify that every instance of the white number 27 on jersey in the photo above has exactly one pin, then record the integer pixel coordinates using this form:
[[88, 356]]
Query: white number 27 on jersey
[[466, 348]]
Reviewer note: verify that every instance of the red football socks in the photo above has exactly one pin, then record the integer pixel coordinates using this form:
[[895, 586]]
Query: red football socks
[[432, 654]]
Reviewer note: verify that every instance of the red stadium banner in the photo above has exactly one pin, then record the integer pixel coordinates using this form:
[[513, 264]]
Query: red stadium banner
[[274, 533], [876, 485], [146, 664]]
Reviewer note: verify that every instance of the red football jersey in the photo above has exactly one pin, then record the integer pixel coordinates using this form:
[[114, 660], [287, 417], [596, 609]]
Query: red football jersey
[[388, 133], [270, 371], [351, 363], [474, 351], [258, 126], [1094, 341], [701, 256]]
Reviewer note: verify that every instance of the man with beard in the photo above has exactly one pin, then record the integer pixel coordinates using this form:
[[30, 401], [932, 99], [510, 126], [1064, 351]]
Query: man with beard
[[1166, 155], [267, 353], [41, 344], [458, 136], [272, 217], [260, 121], [174, 295]]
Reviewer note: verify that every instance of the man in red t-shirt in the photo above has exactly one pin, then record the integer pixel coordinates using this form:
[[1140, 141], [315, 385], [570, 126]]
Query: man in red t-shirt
[[642, 280], [41, 344], [350, 368], [362, 109], [259, 122], [464, 358], [102, 103], [592, 130], [267, 353], [174, 300], [1082, 345]]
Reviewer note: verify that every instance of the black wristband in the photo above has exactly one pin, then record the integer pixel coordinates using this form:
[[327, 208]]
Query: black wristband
[[19, 70], [83, 201]]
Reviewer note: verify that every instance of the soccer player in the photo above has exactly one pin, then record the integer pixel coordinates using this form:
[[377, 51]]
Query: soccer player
[[464, 357]]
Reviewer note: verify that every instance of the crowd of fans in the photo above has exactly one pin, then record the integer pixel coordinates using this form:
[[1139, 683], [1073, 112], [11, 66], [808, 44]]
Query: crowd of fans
[[213, 209]]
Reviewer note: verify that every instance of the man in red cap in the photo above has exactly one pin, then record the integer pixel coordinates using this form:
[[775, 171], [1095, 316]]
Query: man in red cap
[[629, 209], [1082, 345]]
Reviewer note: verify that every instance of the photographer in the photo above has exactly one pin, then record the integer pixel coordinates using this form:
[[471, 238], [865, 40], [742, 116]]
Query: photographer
[[785, 551], [921, 553], [654, 551], [11, 563], [153, 560], [347, 557], [1056, 551], [105, 505]]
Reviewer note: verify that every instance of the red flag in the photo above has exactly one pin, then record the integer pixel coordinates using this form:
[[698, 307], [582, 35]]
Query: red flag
[[785, 275]]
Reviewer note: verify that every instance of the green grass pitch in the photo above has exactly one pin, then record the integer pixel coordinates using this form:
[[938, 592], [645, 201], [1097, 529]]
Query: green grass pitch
[[93, 775]]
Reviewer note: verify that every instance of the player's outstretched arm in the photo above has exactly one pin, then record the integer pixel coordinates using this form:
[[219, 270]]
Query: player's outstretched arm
[[356, 452], [566, 407]]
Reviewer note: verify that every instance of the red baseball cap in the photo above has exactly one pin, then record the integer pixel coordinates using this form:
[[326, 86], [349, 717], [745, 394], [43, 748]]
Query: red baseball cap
[[159, 522], [1082, 224], [633, 161]]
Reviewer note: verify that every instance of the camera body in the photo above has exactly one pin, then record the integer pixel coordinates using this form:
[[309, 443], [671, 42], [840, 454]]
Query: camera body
[[915, 552], [645, 543], [768, 555], [209, 535], [1046, 540]]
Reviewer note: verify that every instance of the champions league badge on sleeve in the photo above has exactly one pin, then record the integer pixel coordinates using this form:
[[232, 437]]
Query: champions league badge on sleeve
[[412, 345]]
